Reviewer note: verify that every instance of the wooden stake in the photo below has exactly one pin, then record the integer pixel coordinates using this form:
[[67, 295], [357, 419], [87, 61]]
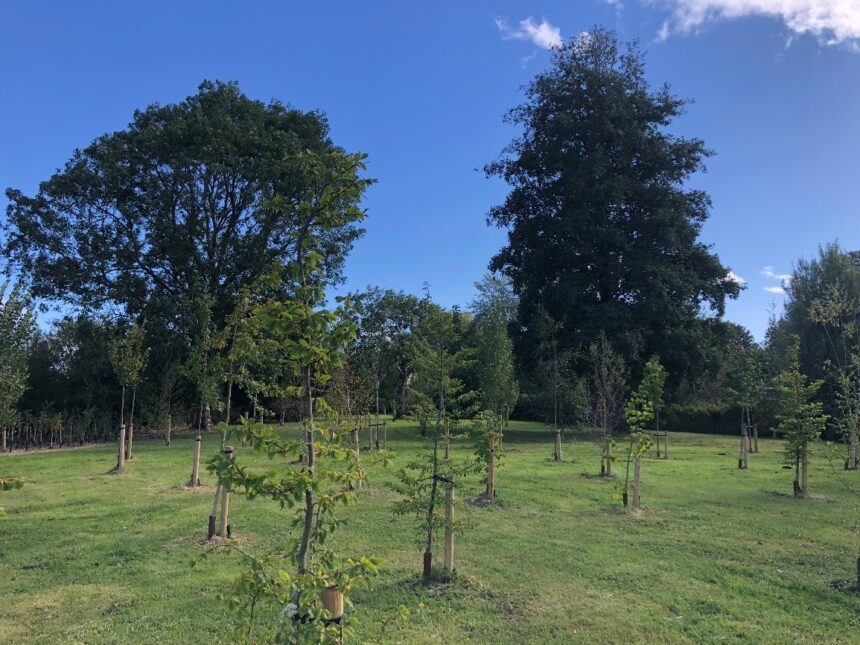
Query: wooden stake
[[637, 468], [449, 532], [557, 455], [120, 464], [225, 497], [332, 601], [195, 468], [804, 472], [491, 469]]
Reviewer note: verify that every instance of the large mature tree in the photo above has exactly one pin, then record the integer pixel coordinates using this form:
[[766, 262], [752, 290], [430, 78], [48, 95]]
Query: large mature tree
[[188, 204], [177, 208], [602, 229]]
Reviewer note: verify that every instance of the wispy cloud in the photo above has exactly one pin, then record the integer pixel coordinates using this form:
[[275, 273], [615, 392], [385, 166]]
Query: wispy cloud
[[784, 280], [768, 272], [542, 34], [731, 276], [831, 21]]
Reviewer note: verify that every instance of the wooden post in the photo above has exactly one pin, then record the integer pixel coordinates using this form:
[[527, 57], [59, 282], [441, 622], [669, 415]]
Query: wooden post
[[608, 457], [120, 464], [169, 430], [637, 468], [755, 438], [851, 463], [195, 469], [449, 532], [745, 446], [128, 454], [428, 565], [666, 444], [657, 442], [332, 600], [804, 472], [3, 447], [210, 533], [557, 454], [491, 469], [384, 435], [225, 497]]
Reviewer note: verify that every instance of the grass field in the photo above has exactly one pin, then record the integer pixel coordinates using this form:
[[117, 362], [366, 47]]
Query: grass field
[[716, 555]]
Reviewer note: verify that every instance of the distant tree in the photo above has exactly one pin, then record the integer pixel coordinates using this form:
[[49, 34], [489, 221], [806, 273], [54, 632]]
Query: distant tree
[[128, 357], [801, 419], [17, 332], [495, 363], [609, 384], [652, 386], [602, 228], [638, 412], [495, 291], [440, 353], [837, 311]]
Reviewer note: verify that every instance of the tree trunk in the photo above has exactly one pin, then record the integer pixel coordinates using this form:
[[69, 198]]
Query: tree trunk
[[637, 467], [557, 454], [3, 446], [449, 530], [744, 459], [169, 430]]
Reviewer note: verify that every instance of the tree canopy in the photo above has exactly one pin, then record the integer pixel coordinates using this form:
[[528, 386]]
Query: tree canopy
[[602, 229]]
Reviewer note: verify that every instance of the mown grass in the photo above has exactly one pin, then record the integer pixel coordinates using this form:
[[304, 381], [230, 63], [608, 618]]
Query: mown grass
[[716, 555]]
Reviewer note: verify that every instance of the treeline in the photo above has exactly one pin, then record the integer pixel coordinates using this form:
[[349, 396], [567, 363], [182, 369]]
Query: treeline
[[182, 227]]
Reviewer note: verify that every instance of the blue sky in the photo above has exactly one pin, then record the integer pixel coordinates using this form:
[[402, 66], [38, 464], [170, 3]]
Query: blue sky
[[422, 89]]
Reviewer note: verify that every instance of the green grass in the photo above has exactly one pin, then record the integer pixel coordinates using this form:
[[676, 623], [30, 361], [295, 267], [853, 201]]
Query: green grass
[[716, 555]]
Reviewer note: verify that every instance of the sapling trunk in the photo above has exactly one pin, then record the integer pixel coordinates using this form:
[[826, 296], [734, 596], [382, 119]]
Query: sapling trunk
[[744, 458], [431, 507], [666, 445], [557, 454], [168, 431]]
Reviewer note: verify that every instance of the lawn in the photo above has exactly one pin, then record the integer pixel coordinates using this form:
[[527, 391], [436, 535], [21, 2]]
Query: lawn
[[716, 555]]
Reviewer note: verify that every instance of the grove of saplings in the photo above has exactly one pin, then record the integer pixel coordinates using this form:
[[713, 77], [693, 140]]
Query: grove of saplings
[[193, 251]]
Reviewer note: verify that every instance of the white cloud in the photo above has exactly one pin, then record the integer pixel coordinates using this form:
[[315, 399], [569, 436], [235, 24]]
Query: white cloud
[[731, 276], [778, 290], [768, 272], [831, 21], [542, 34]]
